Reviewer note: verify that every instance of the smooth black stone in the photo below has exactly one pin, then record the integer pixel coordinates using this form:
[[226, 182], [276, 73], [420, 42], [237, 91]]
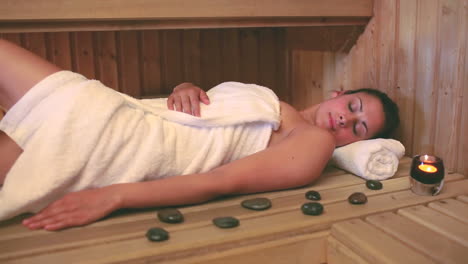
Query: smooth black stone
[[157, 234], [312, 208], [374, 185], [357, 198], [257, 204], [313, 195], [226, 222], [170, 215]]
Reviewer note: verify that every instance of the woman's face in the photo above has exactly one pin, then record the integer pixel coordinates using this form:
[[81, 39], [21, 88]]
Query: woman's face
[[351, 117]]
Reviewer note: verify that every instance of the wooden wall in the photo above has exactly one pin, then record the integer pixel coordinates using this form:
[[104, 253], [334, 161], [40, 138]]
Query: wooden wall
[[152, 62], [416, 50]]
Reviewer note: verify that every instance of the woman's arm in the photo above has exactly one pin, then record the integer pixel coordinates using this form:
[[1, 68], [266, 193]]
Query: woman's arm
[[297, 160]]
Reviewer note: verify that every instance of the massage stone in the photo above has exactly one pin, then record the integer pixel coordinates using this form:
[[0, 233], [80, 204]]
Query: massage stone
[[357, 198], [170, 215], [257, 204], [374, 185], [226, 222], [312, 208], [313, 195], [157, 234]]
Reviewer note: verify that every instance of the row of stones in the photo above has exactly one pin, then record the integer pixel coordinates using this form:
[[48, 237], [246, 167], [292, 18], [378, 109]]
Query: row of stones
[[172, 215]]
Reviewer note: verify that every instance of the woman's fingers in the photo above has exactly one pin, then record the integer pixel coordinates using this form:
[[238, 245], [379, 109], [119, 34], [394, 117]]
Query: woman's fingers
[[204, 97], [41, 219], [186, 98], [177, 103], [186, 106], [195, 105], [170, 102]]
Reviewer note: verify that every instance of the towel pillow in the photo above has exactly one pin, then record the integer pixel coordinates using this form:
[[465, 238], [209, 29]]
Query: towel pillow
[[372, 159]]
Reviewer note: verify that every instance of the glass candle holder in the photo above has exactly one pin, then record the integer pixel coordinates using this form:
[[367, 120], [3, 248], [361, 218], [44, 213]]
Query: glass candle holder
[[427, 175]]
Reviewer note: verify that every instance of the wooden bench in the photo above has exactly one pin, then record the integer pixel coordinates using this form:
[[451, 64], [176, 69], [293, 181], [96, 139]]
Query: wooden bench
[[432, 233], [281, 234]]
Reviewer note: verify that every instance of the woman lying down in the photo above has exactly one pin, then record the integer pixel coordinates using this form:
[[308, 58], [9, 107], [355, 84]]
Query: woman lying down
[[74, 151]]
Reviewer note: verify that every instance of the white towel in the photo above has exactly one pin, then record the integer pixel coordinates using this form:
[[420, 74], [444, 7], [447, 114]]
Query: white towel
[[373, 159], [78, 134]]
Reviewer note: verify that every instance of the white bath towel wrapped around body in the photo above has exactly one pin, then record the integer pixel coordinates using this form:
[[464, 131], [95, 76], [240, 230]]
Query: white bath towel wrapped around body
[[77, 134]]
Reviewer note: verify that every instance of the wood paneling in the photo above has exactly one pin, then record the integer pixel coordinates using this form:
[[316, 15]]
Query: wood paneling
[[415, 50], [152, 62]]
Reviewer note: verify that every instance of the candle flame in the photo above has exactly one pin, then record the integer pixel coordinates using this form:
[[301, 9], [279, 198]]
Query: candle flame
[[427, 168]]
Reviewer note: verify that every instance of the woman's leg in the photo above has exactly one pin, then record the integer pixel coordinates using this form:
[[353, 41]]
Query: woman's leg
[[19, 71], [9, 152]]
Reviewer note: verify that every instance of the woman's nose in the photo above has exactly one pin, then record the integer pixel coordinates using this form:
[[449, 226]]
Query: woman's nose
[[345, 120]]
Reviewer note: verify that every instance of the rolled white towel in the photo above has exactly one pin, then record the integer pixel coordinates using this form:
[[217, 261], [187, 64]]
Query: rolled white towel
[[373, 159]]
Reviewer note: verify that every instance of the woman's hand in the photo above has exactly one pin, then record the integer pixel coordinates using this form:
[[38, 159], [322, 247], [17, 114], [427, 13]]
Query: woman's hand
[[186, 98], [76, 209]]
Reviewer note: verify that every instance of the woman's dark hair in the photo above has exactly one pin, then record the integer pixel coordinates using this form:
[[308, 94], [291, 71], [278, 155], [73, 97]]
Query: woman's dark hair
[[392, 118]]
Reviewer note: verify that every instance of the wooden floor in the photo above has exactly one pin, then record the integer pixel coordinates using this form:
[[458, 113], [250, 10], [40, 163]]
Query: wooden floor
[[394, 225]]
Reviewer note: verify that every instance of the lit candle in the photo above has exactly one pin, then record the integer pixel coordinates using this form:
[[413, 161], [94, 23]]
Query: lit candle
[[427, 168]]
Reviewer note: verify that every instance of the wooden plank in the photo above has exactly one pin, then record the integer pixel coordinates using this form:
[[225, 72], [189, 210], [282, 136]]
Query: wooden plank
[[357, 65], [330, 65], [172, 64], [295, 249], [249, 50], [336, 39], [430, 243], [106, 55], [405, 69], [259, 227], [386, 17], [191, 23], [283, 89], [129, 62], [369, 59], [267, 52], [438, 222], [151, 63], [211, 59], [338, 253], [426, 100], [306, 78], [374, 245], [59, 49], [230, 54], [12, 37], [463, 198], [453, 208], [462, 164], [448, 95], [83, 54], [144, 9], [192, 56]]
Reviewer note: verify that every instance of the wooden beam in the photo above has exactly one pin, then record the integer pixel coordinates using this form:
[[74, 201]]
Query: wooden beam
[[115, 25], [47, 10]]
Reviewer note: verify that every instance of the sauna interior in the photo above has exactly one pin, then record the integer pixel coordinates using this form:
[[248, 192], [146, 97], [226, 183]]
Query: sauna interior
[[414, 50]]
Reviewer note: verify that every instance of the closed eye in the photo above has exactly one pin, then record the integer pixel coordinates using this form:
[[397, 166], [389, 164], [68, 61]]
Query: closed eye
[[350, 107]]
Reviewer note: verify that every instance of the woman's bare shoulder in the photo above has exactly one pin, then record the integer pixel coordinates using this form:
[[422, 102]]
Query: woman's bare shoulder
[[292, 124]]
